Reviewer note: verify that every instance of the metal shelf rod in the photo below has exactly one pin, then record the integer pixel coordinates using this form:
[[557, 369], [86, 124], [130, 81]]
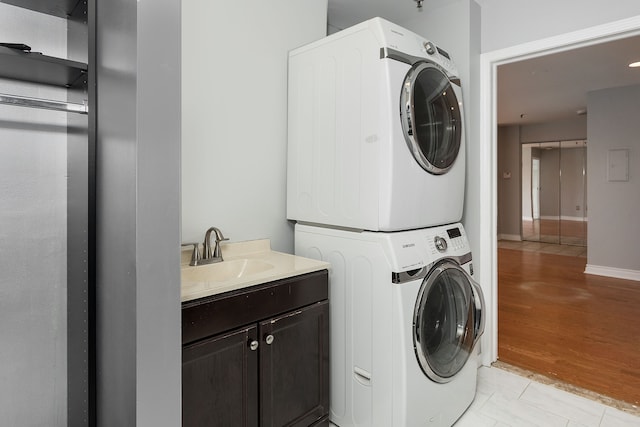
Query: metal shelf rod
[[24, 101]]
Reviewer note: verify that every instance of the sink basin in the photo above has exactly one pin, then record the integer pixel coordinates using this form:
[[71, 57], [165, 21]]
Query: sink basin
[[224, 271]]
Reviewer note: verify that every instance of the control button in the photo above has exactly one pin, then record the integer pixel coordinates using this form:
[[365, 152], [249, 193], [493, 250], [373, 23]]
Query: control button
[[441, 244], [430, 48]]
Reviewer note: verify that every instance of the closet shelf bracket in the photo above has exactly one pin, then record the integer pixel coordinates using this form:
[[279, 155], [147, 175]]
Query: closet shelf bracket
[[48, 104]]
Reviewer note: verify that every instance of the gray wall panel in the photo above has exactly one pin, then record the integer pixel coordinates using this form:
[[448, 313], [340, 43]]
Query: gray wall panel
[[138, 137], [614, 234], [159, 349], [116, 292], [509, 188]]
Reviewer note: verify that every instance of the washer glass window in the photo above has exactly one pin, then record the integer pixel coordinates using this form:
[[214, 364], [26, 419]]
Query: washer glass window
[[431, 118], [444, 322]]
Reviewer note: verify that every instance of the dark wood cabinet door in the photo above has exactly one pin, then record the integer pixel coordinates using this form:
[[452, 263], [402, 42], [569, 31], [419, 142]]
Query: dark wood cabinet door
[[294, 367], [220, 381]]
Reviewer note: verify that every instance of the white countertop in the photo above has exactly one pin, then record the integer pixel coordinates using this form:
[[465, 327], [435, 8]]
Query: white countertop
[[247, 264]]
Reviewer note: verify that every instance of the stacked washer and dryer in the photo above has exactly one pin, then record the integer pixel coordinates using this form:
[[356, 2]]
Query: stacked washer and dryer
[[375, 181]]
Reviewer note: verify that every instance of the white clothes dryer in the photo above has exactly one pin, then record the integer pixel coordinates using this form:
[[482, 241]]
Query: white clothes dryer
[[376, 139], [405, 318]]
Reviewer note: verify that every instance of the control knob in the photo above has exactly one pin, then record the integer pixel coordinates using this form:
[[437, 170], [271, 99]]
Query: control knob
[[429, 48], [441, 244]]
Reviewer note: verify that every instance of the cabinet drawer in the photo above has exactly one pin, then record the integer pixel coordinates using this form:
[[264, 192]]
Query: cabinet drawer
[[219, 313]]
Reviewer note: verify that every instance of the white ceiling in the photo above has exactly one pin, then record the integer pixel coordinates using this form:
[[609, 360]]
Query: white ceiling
[[555, 87], [547, 88], [345, 13]]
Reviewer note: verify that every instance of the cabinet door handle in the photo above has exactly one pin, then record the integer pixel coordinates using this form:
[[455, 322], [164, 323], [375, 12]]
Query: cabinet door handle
[[253, 345], [268, 339]]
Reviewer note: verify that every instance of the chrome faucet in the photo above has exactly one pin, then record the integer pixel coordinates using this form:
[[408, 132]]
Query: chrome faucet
[[210, 256]]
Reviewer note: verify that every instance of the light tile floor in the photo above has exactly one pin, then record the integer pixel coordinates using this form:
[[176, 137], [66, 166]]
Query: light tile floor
[[505, 399]]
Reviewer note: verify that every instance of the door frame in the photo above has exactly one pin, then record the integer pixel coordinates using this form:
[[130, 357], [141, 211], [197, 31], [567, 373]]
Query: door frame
[[488, 149]]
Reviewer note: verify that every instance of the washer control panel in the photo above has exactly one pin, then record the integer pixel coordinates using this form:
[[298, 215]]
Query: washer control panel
[[457, 240], [414, 249], [445, 239]]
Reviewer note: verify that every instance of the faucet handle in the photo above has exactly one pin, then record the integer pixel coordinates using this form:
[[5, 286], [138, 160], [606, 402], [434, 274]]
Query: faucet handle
[[195, 255]]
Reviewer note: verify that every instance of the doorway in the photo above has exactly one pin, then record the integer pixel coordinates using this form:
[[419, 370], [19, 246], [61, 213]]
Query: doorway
[[488, 146]]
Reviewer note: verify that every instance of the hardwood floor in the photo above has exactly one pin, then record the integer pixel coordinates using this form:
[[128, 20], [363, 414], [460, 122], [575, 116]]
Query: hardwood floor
[[555, 231], [557, 321]]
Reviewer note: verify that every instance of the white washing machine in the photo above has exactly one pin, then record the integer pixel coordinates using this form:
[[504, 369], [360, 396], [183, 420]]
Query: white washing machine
[[405, 318], [376, 139]]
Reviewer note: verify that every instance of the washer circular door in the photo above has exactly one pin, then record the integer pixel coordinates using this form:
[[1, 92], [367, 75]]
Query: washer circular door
[[448, 320], [430, 116]]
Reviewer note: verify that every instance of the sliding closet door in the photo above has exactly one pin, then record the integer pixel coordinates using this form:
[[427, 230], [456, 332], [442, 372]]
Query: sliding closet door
[[541, 192], [554, 192], [573, 194], [549, 194]]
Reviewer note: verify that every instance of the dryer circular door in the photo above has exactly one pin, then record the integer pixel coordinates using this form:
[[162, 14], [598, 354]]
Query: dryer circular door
[[431, 118], [448, 320]]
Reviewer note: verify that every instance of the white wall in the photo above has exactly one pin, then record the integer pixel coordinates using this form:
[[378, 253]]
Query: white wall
[[234, 114], [614, 234], [511, 22], [33, 232]]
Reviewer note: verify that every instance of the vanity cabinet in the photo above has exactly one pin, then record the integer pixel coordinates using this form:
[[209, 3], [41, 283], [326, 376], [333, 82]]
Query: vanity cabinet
[[258, 356]]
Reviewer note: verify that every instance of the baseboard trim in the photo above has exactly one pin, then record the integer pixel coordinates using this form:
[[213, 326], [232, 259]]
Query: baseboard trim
[[618, 273], [512, 237], [565, 218]]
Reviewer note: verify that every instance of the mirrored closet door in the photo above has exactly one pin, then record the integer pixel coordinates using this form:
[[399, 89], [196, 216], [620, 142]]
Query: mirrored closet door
[[554, 192]]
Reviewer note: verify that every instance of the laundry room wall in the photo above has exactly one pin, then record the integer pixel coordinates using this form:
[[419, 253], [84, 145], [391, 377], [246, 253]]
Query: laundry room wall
[[234, 114], [508, 23], [613, 205], [33, 236]]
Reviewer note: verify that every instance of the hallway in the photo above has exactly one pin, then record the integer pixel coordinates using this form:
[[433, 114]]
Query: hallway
[[557, 321]]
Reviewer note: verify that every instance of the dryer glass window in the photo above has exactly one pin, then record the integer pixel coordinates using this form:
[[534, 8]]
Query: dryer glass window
[[444, 328], [431, 118]]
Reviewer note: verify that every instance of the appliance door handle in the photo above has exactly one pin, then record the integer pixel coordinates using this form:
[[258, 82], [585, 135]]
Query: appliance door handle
[[362, 376], [479, 308]]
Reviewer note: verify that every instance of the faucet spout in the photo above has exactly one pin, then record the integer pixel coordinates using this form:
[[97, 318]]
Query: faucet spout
[[215, 254]]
